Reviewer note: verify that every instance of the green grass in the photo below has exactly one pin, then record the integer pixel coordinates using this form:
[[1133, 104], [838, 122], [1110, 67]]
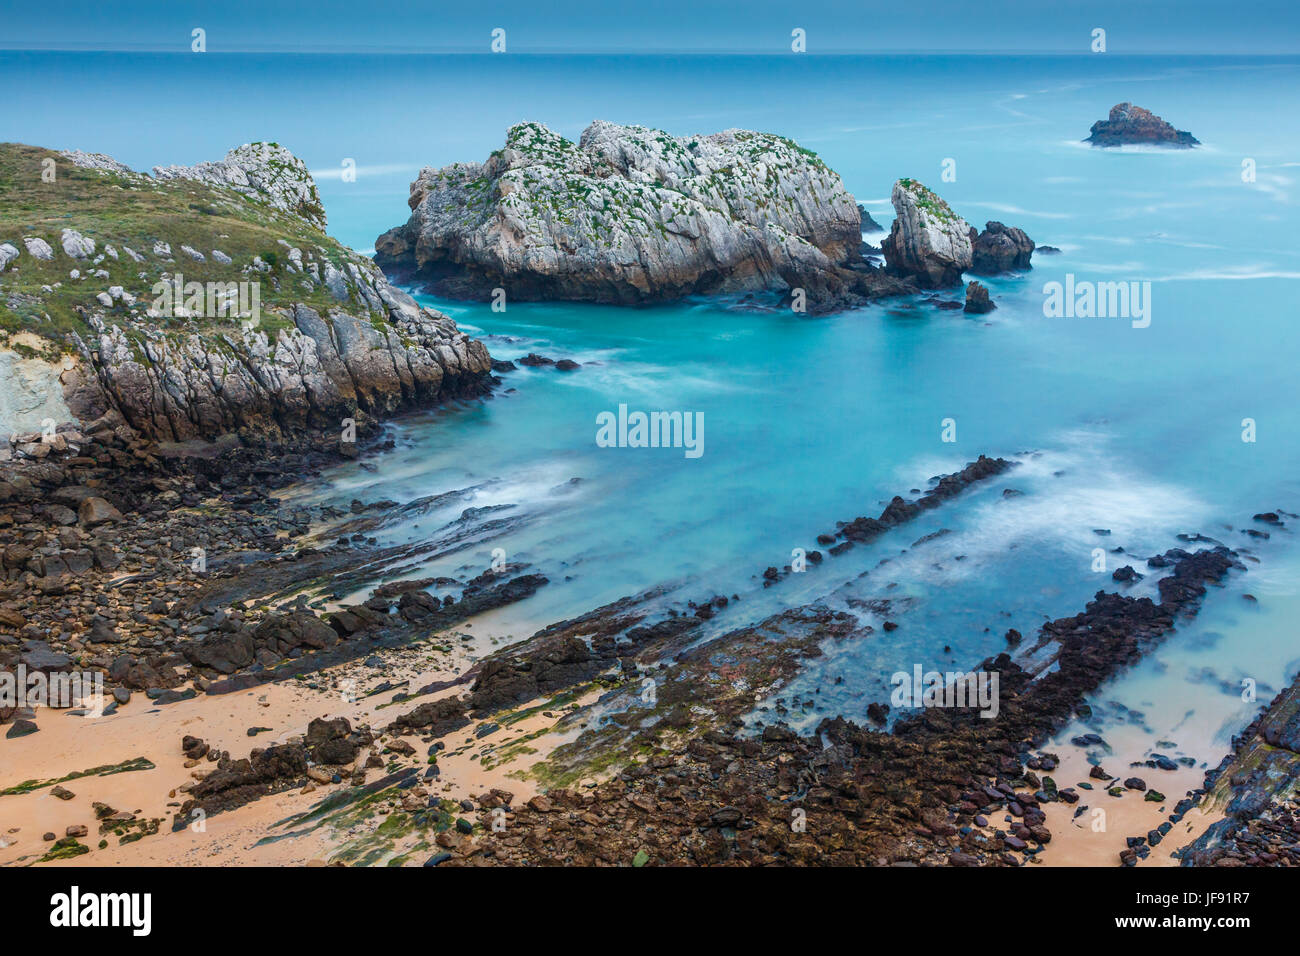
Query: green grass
[[134, 211], [929, 201]]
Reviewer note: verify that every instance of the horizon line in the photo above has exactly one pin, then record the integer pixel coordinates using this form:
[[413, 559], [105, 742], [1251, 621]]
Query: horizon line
[[638, 51]]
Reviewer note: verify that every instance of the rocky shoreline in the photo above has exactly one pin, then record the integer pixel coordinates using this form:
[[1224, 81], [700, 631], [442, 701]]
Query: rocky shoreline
[[922, 792], [145, 544], [1255, 789]]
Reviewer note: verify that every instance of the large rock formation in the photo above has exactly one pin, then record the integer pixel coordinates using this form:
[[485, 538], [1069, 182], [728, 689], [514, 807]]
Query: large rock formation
[[629, 215], [931, 245], [1129, 124], [928, 242], [245, 318], [1000, 248], [263, 171]]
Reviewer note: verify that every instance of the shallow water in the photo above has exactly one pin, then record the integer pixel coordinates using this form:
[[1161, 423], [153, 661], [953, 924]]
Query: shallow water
[[813, 420]]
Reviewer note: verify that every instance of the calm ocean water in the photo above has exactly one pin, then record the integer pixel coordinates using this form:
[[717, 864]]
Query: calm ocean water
[[811, 420]]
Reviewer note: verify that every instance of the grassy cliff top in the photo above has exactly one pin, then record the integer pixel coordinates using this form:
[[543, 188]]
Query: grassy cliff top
[[928, 200], [132, 211]]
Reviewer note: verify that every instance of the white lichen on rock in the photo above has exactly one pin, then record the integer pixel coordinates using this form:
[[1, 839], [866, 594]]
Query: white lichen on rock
[[628, 214], [100, 161], [265, 171]]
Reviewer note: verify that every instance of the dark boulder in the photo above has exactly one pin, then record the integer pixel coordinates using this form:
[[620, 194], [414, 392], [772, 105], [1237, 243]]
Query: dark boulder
[[977, 299], [1000, 248]]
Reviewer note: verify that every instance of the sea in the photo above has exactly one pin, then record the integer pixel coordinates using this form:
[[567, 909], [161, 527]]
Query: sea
[[1128, 430]]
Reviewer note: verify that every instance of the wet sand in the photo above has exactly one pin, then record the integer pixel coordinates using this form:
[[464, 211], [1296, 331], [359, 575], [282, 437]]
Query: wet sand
[[1092, 840], [477, 758]]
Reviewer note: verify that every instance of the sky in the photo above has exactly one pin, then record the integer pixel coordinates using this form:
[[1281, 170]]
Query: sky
[[619, 26]]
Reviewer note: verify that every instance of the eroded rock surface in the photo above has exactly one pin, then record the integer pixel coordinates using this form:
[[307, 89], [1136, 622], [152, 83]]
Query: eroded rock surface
[[263, 171], [928, 242], [627, 215], [1133, 125]]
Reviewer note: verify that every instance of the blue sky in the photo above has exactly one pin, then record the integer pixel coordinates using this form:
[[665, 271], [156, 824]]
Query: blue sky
[[740, 26]]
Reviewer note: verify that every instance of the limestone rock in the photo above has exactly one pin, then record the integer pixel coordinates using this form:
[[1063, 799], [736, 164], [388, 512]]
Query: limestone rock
[[311, 375], [928, 241], [627, 215], [265, 171], [76, 245], [38, 248], [99, 161]]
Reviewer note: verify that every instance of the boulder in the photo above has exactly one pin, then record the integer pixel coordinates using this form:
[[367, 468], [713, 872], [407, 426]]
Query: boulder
[[1132, 125], [38, 248], [76, 245], [93, 512], [1000, 249], [977, 299]]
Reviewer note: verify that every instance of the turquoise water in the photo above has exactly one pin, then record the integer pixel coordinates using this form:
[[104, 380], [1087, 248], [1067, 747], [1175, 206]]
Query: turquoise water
[[813, 420]]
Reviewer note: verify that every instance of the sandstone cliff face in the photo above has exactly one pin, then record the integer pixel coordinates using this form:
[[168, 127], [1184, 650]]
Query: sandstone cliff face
[[1129, 124], [928, 242], [626, 215]]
